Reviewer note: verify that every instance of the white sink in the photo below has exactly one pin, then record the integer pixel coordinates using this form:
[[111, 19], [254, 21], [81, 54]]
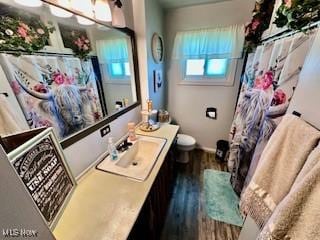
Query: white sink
[[136, 162]]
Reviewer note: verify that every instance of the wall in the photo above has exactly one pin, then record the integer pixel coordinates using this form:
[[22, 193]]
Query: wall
[[306, 97], [187, 104], [148, 19], [155, 18]]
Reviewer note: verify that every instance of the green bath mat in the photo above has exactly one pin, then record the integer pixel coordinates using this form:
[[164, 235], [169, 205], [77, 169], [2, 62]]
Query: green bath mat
[[221, 202]]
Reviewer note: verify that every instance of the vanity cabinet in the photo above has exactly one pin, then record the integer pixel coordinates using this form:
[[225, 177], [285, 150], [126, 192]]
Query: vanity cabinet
[[153, 213]]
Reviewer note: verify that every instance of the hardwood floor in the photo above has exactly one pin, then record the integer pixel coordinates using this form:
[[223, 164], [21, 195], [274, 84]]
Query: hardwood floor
[[186, 219]]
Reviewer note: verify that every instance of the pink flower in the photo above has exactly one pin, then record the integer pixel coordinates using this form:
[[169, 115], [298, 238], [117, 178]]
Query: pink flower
[[25, 26], [69, 79], [41, 88], [265, 81], [45, 123], [85, 47], [22, 32], [279, 97], [40, 31], [255, 24], [58, 78], [287, 3], [28, 39], [15, 87], [79, 43]]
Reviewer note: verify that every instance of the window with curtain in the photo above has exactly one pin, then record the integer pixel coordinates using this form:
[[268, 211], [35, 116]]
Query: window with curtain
[[113, 54], [209, 55]]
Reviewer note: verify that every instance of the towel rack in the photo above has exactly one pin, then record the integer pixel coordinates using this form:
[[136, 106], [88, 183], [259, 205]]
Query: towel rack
[[299, 115], [4, 93]]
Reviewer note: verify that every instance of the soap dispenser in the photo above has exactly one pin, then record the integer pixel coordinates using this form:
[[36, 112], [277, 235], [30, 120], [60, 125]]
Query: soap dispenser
[[113, 152]]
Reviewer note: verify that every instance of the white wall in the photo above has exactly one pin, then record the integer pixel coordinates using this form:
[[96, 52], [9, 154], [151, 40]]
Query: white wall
[[306, 97], [187, 104]]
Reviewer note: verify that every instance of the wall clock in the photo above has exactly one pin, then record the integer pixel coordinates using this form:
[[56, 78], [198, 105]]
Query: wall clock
[[157, 48]]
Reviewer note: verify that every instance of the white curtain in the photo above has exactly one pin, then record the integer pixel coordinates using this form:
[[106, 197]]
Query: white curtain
[[112, 50], [209, 43]]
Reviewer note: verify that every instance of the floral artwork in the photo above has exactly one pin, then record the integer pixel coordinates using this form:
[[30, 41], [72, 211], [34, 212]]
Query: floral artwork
[[77, 40], [58, 92], [296, 14], [260, 22], [19, 36]]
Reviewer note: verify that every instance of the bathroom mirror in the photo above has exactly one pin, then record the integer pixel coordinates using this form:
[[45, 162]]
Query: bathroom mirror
[[67, 71]]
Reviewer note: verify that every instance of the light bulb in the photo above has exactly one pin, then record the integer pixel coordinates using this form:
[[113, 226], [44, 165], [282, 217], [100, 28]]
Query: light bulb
[[84, 21], [118, 19], [29, 3], [102, 11], [84, 6], [59, 12]]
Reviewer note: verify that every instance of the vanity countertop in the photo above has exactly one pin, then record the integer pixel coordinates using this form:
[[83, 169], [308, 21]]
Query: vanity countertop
[[105, 206]]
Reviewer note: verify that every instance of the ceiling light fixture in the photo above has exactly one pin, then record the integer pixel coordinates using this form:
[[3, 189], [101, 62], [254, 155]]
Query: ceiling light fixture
[[59, 12], [102, 11], [84, 21], [83, 6], [29, 3], [118, 19]]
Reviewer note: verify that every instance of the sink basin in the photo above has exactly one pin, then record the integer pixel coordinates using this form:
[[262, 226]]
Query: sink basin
[[136, 162]]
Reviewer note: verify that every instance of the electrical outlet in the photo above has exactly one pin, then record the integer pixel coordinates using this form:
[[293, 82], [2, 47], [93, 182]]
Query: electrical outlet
[[105, 130]]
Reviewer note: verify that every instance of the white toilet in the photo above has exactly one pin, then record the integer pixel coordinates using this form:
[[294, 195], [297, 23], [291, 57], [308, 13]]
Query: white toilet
[[185, 144]]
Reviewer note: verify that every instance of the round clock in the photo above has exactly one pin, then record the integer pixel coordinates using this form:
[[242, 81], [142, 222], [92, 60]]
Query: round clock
[[157, 48]]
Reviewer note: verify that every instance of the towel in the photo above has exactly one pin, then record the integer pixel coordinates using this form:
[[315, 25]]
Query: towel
[[297, 217], [279, 166], [9, 122]]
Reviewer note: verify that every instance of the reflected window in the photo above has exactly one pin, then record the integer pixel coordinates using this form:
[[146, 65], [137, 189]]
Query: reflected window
[[120, 70], [114, 54]]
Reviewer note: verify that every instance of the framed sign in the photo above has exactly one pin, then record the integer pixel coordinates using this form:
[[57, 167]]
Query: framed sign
[[41, 166]]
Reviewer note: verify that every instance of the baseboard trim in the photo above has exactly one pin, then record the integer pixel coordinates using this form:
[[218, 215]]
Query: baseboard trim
[[211, 150]]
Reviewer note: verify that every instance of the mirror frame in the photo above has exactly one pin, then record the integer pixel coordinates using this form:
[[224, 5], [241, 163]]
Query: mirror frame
[[107, 119]]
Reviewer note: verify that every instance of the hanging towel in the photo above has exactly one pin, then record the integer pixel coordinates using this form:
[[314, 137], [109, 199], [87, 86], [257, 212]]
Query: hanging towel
[[280, 164], [297, 217], [9, 122]]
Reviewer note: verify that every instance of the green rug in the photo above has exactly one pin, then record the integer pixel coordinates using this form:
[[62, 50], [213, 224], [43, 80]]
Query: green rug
[[221, 202]]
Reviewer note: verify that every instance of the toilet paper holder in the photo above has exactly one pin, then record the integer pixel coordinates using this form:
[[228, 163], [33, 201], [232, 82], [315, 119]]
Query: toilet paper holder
[[211, 113]]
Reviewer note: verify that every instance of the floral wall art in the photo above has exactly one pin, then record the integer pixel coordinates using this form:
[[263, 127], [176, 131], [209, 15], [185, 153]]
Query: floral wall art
[[23, 36], [296, 14], [76, 39], [54, 91]]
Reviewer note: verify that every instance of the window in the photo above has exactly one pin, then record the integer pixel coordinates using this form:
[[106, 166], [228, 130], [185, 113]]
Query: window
[[119, 70], [206, 68]]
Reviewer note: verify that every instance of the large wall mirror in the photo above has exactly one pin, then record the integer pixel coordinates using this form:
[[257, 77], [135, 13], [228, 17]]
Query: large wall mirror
[[73, 74]]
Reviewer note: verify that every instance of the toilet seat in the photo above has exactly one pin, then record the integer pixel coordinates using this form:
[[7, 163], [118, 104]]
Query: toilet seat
[[185, 140]]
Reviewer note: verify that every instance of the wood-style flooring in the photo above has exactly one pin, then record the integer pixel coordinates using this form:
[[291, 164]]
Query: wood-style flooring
[[186, 218]]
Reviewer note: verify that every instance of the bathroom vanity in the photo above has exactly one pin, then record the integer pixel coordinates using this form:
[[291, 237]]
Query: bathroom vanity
[[107, 206]]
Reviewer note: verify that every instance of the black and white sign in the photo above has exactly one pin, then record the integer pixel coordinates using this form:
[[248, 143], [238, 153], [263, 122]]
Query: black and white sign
[[46, 177]]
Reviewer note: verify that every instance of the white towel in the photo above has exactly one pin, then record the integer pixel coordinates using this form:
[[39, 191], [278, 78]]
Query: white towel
[[9, 121]]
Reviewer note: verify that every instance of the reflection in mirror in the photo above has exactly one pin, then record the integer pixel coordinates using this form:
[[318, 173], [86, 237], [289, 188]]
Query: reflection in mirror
[[64, 74]]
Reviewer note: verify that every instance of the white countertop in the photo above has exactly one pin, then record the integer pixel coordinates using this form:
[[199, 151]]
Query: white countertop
[[105, 206]]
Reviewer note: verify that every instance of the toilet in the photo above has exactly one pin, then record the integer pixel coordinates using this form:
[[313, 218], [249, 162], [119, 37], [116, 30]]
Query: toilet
[[185, 144]]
